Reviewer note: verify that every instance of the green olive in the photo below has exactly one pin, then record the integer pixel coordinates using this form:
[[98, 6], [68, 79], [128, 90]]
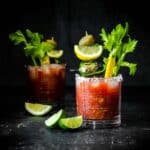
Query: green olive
[[52, 42], [87, 40]]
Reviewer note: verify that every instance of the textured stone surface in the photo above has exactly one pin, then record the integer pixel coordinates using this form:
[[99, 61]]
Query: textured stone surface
[[21, 131]]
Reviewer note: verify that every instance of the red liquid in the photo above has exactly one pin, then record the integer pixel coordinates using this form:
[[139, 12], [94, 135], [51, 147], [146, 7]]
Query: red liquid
[[46, 83], [98, 99]]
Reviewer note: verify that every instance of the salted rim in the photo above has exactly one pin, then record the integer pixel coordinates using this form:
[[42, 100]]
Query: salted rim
[[119, 77]]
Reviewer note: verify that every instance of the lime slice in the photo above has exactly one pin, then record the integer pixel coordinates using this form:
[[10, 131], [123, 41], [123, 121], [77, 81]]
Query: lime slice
[[86, 53], [52, 121], [71, 123], [55, 53], [37, 109]]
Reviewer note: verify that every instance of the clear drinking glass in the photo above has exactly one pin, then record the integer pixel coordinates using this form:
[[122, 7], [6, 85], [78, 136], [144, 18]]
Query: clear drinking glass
[[46, 83], [98, 100]]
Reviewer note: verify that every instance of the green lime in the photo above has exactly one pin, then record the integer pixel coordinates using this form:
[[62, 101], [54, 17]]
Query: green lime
[[87, 53], [55, 53], [71, 123], [52, 121], [37, 109]]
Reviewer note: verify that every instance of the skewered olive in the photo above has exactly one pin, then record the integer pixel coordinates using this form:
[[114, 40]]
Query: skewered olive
[[52, 42], [87, 40]]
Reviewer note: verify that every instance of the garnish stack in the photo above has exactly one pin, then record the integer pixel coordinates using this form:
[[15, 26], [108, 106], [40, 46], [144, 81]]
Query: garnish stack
[[117, 43], [39, 51], [88, 52]]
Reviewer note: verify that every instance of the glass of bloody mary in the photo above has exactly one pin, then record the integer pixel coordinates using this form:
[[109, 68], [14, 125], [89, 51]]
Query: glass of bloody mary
[[98, 100], [45, 72], [99, 80], [46, 83]]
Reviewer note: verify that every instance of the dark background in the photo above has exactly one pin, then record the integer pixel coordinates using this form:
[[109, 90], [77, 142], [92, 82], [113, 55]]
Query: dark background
[[67, 21]]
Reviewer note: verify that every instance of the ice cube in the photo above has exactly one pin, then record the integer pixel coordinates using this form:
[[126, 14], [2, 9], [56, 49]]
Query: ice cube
[[112, 83]]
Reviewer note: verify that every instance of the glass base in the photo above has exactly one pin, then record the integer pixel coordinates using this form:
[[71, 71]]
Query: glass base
[[97, 124]]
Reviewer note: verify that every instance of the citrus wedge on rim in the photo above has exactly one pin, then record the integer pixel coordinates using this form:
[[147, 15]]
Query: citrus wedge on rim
[[37, 109], [86, 53], [71, 123], [55, 53], [52, 121]]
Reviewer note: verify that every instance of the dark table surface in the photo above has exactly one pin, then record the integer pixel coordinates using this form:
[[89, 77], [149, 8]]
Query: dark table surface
[[21, 131]]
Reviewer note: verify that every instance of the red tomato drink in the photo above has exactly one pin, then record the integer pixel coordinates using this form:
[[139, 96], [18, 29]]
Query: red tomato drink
[[99, 99], [46, 83]]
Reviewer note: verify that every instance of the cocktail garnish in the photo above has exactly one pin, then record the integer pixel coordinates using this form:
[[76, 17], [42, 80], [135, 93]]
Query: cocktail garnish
[[35, 47], [87, 40], [118, 44]]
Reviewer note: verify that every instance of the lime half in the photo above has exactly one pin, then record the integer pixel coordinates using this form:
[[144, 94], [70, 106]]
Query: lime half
[[52, 121], [37, 109], [55, 53], [86, 53], [71, 123]]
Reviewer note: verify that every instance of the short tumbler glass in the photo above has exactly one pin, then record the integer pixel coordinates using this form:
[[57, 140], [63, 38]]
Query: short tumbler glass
[[46, 83], [98, 100]]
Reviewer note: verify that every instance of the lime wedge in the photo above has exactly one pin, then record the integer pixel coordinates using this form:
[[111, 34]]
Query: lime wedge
[[52, 121], [86, 53], [37, 109], [55, 53], [71, 123]]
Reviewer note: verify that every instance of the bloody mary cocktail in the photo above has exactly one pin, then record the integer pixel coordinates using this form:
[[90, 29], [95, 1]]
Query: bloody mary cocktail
[[98, 82], [98, 100], [45, 72], [46, 83]]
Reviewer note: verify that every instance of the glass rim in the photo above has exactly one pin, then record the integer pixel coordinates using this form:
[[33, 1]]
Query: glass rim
[[119, 77], [44, 65]]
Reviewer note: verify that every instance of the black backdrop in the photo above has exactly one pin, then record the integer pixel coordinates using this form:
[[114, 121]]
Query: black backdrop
[[67, 21]]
